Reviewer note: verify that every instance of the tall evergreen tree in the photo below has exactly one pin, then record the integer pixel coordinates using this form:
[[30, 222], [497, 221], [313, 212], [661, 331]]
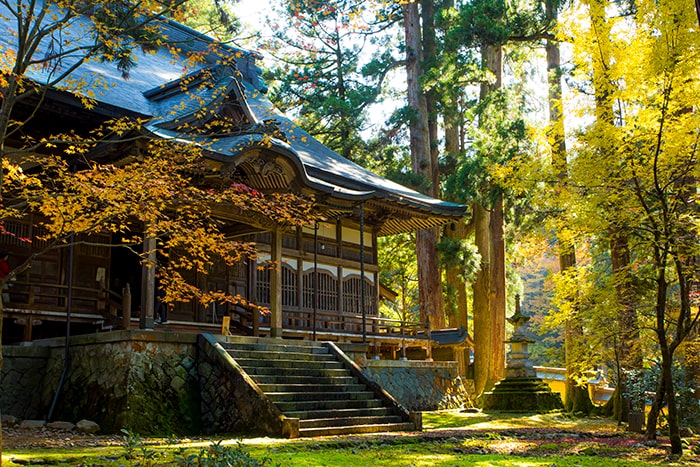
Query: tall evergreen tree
[[429, 276], [327, 69]]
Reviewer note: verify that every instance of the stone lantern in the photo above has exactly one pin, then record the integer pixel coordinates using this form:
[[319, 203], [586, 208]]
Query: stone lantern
[[521, 390], [519, 364]]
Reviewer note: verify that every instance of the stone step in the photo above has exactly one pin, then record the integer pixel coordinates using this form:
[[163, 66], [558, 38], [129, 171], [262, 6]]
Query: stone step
[[306, 379], [311, 388], [348, 421], [266, 356], [235, 340], [352, 429], [303, 372], [276, 348], [338, 413], [321, 405], [319, 396], [285, 364]]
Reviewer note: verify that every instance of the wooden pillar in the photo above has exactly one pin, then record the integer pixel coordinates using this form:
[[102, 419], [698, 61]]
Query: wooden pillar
[[126, 307], [148, 284], [276, 285], [28, 326], [363, 304]]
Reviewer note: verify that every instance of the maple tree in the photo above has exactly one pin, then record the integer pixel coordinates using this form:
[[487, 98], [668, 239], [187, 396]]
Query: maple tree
[[48, 167]]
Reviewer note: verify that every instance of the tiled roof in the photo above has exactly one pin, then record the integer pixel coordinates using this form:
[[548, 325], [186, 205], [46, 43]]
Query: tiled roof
[[139, 94]]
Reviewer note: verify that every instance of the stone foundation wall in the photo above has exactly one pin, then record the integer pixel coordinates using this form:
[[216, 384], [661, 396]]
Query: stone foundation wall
[[419, 385], [168, 383], [21, 380], [143, 381]]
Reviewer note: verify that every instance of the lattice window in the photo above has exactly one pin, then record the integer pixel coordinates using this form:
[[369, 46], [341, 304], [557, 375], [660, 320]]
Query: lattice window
[[262, 286], [264, 238], [95, 246], [289, 286], [308, 246], [352, 296], [289, 242], [238, 270], [16, 231], [327, 291]]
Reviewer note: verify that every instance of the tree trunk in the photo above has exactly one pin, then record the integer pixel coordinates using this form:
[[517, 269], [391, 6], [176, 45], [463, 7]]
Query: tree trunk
[[673, 417], [431, 97], [556, 116], [480, 308], [630, 356], [490, 282], [497, 302], [432, 304], [457, 311], [577, 398], [655, 409], [628, 341], [666, 355], [429, 277]]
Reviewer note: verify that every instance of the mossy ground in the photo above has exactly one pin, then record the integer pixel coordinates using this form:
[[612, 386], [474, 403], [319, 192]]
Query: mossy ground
[[449, 438]]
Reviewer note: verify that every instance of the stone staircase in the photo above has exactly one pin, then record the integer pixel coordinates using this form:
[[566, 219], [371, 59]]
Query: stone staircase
[[308, 381]]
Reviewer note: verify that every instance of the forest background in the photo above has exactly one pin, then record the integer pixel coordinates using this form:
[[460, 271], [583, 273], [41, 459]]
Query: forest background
[[571, 131]]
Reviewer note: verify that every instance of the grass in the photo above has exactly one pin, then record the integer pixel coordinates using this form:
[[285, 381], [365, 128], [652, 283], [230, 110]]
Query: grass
[[504, 421], [450, 438]]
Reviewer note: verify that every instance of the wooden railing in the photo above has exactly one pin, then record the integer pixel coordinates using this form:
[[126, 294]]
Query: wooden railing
[[54, 297], [37, 298], [323, 324]]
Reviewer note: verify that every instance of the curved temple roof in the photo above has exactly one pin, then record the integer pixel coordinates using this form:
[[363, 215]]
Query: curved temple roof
[[156, 89]]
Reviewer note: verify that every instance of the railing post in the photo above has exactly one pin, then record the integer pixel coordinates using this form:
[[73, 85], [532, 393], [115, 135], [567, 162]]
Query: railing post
[[148, 283], [403, 340], [126, 307], [226, 326], [256, 321], [103, 300], [377, 345], [429, 350], [28, 325]]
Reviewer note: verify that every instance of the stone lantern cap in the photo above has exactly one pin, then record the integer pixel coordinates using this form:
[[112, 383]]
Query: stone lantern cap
[[519, 322]]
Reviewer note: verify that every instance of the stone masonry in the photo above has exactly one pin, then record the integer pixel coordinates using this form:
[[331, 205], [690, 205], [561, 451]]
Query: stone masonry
[[160, 383], [418, 385], [142, 381], [21, 379]]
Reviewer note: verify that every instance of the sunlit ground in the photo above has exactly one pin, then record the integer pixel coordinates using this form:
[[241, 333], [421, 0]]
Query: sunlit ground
[[450, 438], [503, 421]]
